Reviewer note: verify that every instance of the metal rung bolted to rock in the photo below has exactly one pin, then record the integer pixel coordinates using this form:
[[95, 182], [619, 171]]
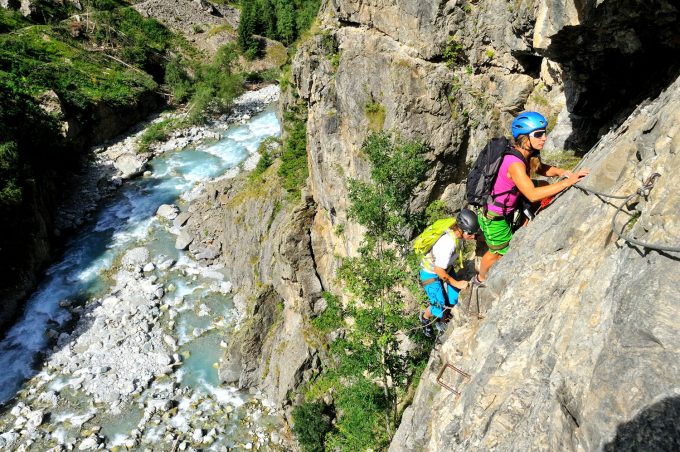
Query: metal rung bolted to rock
[[456, 372]]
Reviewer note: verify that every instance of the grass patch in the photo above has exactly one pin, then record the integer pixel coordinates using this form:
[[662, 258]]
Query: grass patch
[[277, 54], [375, 114], [222, 28], [155, 133]]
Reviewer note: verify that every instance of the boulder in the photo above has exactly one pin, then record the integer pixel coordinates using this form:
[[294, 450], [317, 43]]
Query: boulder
[[168, 211], [184, 239]]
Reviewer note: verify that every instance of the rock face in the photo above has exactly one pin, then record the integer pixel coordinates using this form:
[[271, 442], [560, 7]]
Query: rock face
[[558, 362], [267, 248], [589, 361]]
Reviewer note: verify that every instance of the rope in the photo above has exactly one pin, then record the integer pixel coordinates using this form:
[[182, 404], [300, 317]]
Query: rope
[[642, 191], [595, 192]]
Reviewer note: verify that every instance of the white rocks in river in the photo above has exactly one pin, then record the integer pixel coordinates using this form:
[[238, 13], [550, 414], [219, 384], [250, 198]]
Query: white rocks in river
[[9, 439], [168, 211], [89, 443], [130, 165], [181, 219], [149, 267], [110, 302], [135, 257], [184, 239], [34, 419], [166, 264]]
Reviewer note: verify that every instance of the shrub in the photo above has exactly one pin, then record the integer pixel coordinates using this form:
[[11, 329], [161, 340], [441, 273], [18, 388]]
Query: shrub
[[312, 423], [293, 170], [453, 53]]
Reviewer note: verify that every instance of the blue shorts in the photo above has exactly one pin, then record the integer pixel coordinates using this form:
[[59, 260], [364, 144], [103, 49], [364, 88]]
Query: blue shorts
[[439, 298]]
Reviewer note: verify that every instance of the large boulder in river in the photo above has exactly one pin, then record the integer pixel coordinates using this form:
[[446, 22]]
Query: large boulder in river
[[130, 165], [168, 211]]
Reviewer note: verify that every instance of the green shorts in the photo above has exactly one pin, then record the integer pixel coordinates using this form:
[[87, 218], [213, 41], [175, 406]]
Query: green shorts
[[497, 232]]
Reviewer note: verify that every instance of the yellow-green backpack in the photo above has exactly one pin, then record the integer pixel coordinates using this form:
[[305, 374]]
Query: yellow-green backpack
[[426, 240]]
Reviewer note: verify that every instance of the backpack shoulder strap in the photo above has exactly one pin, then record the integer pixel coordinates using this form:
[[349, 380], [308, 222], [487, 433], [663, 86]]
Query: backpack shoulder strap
[[510, 150]]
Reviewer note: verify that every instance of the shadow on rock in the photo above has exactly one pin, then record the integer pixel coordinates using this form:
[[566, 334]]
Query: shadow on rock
[[656, 428]]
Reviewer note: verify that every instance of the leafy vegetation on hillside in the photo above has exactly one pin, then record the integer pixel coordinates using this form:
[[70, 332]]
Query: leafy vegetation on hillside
[[281, 20], [368, 373]]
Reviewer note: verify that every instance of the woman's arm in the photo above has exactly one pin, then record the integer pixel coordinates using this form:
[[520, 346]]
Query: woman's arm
[[526, 186], [448, 279], [551, 171]]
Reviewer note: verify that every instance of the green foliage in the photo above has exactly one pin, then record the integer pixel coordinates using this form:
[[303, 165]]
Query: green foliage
[[28, 136], [312, 423], [10, 193], [266, 151], [489, 54], [367, 373], [293, 170], [214, 86], [331, 318], [285, 24], [247, 27], [453, 53], [282, 20], [158, 131], [436, 210], [11, 20], [361, 423], [397, 168]]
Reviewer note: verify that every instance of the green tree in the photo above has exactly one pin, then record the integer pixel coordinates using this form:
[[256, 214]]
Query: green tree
[[367, 371], [247, 27], [268, 19], [285, 23]]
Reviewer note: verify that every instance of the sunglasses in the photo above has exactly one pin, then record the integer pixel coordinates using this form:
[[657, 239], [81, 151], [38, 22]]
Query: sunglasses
[[537, 134]]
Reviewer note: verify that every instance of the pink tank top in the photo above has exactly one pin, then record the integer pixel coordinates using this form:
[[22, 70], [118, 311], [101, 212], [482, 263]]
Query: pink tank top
[[504, 184]]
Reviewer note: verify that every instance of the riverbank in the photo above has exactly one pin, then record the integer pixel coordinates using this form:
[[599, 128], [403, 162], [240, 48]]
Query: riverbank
[[120, 159], [128, 358]]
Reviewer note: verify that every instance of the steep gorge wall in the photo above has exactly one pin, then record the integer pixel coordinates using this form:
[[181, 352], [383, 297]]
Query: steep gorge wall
[[29, 239], [579, 348]]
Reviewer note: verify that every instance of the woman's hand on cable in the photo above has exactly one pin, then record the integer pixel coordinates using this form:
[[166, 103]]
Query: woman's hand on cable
[[574, 178]]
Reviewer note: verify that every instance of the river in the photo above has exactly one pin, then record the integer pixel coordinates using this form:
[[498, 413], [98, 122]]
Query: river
[[118, 344]]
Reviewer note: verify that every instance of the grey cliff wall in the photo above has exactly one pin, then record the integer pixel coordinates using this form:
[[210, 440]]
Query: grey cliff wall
[[263, 238], [579, 349]]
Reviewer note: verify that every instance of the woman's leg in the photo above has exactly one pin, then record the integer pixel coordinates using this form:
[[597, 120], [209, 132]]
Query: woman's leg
[[488, 260]]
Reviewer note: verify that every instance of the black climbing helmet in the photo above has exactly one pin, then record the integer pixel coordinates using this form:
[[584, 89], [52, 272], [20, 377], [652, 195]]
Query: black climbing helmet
[[467, 221]]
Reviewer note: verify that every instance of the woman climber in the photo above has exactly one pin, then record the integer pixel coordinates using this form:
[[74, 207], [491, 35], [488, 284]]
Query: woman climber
[[441, 288], [529, 130]]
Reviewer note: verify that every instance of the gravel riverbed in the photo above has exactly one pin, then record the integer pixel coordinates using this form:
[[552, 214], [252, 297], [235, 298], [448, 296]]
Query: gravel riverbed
[[130, 368]]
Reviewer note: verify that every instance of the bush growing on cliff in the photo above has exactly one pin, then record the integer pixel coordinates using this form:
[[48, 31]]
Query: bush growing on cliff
[[312, 423], [293, 169], [368, 374]]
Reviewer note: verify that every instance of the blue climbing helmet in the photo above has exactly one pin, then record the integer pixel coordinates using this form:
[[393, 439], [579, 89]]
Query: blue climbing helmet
[[526, 122]]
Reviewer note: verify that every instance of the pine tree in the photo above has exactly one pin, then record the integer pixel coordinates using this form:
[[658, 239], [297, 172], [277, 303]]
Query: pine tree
[[246, 30], [268, 19], [285, 23]]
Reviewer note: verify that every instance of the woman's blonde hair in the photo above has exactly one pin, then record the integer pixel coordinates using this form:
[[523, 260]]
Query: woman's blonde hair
[[535, 160]]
